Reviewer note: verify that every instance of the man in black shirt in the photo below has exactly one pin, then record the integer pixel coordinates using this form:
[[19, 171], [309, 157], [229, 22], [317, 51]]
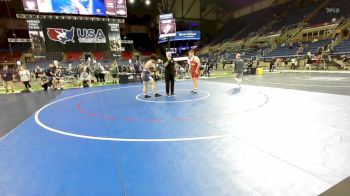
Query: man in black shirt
[[238, 64], [50, 72], [169, 73]]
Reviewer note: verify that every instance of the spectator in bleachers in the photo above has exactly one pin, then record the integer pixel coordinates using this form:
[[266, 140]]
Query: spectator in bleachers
[[7, 77], [290, 45], [25, 77], [300, 48]]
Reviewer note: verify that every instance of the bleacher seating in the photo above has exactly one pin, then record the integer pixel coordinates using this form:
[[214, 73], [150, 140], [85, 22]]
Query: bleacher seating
[[127, 55], [8, 57], [287, 51], [250, 54], [73, 56], [294, 13], [99, 55], [242, 27], [15, 47], [343, 47], [313, 46], [285, 15], [283, 51]]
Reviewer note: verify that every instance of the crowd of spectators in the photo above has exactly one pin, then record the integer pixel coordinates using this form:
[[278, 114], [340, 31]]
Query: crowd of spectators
[[56, 76]]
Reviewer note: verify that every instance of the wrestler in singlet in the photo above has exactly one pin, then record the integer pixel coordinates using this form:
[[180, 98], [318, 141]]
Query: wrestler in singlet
[[194, 64], [194, 67]]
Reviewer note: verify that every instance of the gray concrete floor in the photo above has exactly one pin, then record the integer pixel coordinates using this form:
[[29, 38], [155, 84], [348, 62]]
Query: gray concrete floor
[[15, 108], [333, 83]]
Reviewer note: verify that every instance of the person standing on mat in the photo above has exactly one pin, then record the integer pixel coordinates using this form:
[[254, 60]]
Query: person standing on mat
[[169, 73], [238, 64], [25, 77], [146, 76], [194, 65], [7, 77], [272, 64]]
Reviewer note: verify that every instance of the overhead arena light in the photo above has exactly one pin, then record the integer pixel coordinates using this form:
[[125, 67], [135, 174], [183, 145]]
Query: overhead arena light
[[148, 2]]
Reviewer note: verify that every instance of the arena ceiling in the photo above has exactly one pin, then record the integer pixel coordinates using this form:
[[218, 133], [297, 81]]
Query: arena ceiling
[[230, 5]]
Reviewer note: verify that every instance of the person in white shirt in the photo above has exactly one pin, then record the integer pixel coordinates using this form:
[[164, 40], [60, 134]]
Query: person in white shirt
[[102, 73], [24, 74], [294, 63], [85, 78]]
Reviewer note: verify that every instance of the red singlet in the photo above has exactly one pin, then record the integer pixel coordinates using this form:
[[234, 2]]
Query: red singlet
[[194, 66]]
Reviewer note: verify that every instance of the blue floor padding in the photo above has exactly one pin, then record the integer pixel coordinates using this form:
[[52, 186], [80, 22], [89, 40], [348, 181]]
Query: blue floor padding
[[36, 161]]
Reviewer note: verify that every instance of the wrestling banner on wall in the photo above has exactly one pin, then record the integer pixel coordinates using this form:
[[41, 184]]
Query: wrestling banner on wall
[[36, 36], [71, 35], [114, 37]]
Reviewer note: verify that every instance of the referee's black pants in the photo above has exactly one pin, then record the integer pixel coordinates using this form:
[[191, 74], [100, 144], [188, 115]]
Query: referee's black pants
[[169, 82]]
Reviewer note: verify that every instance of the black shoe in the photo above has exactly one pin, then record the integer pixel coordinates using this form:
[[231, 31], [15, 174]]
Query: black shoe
[[172, 94], [147, 96], [157, 95]]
